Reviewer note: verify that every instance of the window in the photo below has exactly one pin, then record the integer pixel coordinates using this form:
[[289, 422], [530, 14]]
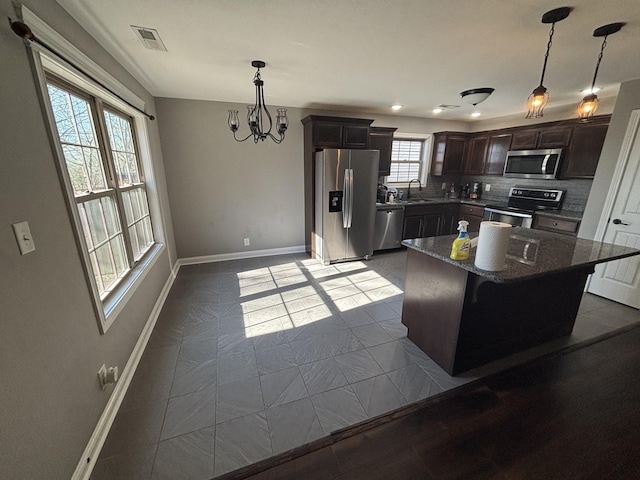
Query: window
[[101, 157], [406, 160]]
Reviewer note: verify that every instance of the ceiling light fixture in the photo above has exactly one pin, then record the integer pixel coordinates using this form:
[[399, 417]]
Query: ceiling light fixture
[[258, 117], [539, 97], [437, 110], [397, 106], [476, 114], [476, 95], [589, 103]]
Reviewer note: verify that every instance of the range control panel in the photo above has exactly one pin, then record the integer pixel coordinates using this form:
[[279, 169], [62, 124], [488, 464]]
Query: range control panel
[[535, 198]]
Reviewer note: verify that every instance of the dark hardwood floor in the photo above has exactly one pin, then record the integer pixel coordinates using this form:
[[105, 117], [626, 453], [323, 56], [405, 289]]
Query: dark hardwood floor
[[569, 415]]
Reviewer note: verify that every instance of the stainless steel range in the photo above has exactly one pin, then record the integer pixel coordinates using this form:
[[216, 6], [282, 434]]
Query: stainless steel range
[[522, 203]]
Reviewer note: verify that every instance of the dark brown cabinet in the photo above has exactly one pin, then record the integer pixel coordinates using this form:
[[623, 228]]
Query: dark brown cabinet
[[486, 151], [526, 139], [381, 138], [476, 155], [333, 132], [499, 145], [430, 220], [554, 137], [422, 221], [449, 219], [448, 153], [581, 159], [472, 214]]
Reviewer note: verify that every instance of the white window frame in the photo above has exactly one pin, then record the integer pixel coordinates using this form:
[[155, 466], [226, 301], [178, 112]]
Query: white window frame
[[106, 310], [425, 160]]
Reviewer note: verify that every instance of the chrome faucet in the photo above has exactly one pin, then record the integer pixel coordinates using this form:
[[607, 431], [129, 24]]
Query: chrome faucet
[[409, 189]]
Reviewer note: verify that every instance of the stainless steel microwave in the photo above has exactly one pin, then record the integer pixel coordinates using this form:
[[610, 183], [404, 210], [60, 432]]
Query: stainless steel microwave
[[539, 164]]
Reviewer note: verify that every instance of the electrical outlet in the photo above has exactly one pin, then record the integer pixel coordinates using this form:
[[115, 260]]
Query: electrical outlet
[[444, 185], [107, 376], [246, 242], [487, 187], [102, 376]]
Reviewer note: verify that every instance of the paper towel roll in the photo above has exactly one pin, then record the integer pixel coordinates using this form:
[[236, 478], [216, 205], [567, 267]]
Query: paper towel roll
[[493, 242]]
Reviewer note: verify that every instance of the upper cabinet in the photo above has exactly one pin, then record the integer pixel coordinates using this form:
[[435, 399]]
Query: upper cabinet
[[581, 158], [476, 155], [381, 138], [338, 132], [555, 137], [448, 152], [524, 139], [499, 145], [484, 153]]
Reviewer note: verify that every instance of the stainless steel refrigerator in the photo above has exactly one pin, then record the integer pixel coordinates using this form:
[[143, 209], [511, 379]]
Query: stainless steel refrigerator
[[345, 204]]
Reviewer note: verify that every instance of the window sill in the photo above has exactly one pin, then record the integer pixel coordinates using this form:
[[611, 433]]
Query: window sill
[[116, 302]]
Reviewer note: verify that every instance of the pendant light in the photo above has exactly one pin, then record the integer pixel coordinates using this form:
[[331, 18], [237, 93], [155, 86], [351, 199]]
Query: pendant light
[[539, 97], [258, 116], [589, 104]]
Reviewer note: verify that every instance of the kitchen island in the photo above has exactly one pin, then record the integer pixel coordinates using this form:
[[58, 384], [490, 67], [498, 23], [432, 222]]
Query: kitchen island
[[463, 317]]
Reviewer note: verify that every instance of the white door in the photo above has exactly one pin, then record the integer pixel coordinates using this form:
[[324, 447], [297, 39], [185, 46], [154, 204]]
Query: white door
[[620, 280]]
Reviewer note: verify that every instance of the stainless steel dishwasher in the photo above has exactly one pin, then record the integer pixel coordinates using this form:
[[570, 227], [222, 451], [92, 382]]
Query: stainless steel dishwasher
[[387, 232]]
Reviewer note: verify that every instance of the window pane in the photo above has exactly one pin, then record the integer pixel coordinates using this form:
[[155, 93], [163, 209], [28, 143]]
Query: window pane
[[111, 217], [135, 246], [406, 160], [122, 147], [85, 226], [106, 266], [78, 138], [76, 168], [119, 254], [97, 227]]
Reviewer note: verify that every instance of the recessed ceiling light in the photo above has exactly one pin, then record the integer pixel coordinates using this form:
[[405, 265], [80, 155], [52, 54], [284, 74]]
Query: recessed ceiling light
[[476, 114], [438, 110], [397, 106], [589, 91]]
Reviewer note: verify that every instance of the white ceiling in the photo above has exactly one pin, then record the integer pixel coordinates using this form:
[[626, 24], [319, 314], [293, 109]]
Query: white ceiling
[[365, 55]]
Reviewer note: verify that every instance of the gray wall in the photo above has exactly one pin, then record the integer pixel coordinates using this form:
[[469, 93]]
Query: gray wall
[[628, 100], [222, 191], [50, 345]]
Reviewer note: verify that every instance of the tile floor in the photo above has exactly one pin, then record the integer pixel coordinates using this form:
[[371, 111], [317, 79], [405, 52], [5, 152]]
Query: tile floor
[[250, 358]]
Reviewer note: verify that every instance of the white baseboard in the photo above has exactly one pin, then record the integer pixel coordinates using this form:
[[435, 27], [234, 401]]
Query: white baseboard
[[96, 442], [241, 255]]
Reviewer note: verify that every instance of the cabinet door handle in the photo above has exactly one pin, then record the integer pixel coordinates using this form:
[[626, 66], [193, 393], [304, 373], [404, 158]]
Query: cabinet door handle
[[617, 221]]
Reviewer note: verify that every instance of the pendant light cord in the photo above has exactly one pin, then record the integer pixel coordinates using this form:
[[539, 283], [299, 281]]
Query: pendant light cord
[[546, 55], [595, 74]]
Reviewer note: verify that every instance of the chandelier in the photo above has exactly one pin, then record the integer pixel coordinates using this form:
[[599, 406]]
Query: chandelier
[[258, 116], [539, 97], [589, 104]]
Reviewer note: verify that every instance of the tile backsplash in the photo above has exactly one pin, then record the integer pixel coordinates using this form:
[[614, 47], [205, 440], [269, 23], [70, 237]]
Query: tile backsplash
[[575, 200]]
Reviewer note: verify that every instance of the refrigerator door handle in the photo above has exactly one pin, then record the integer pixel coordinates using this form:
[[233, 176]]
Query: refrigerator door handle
[[345, 206], [349, 202]]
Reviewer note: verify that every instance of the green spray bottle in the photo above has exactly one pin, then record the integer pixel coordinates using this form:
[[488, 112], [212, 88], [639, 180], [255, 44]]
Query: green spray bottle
[[462, 245]]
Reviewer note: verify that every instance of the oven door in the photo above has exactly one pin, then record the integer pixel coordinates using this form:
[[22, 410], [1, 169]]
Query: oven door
[[517, 219]]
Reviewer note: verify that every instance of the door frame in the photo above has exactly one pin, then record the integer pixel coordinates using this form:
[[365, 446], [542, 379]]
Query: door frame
[[630, 137], [633, 131]]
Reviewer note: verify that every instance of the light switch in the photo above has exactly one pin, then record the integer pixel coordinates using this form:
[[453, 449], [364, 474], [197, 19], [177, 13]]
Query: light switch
[[24, 238]]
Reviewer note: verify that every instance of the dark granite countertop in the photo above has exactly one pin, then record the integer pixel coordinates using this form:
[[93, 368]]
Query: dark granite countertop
[[531, 254]]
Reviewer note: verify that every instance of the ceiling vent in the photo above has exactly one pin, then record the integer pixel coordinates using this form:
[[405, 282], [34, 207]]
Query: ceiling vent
[[149, 38], [447, 107]]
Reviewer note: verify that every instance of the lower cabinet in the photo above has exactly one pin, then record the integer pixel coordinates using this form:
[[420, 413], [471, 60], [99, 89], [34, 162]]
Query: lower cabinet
[[449, 219], [472, 214], [557, 225], [429, 220]]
